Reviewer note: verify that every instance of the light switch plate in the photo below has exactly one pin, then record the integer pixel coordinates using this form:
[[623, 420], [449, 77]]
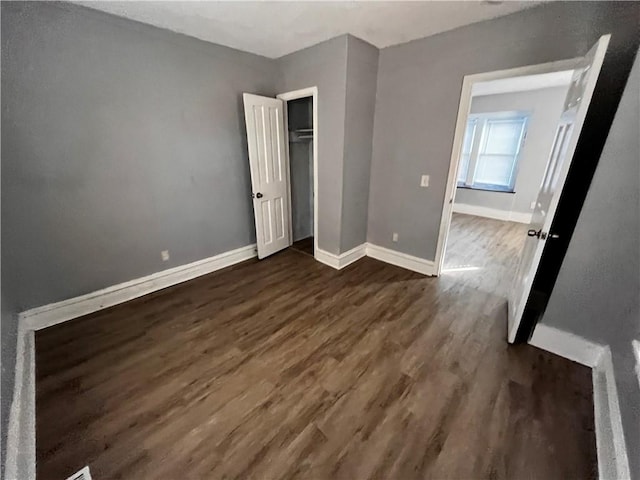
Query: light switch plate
[[424, 181]]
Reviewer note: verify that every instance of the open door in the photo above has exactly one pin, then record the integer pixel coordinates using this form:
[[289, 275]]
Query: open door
[[265, 138], [575, 110]]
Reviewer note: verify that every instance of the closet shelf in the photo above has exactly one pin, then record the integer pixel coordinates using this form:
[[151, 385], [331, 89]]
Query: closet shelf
[[300, 134]]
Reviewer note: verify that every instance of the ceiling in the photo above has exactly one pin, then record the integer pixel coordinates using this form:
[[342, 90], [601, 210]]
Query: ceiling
[[274, 29]]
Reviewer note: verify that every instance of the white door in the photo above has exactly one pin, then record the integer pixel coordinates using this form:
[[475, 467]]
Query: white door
[[564, 145], [265, 138]]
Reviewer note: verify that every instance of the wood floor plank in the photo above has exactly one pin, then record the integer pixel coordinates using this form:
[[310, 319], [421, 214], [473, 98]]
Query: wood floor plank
[[286, 368]]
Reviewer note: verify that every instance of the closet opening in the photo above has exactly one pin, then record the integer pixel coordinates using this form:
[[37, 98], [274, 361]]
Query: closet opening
[[301, 128]]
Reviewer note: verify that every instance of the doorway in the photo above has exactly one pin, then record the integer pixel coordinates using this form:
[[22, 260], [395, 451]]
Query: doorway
[[301, 123], [300, 127], [509, 131], [487, 156]]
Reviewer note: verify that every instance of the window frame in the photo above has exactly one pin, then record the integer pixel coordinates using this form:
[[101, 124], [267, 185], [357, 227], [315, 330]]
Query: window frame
[[478, 143]]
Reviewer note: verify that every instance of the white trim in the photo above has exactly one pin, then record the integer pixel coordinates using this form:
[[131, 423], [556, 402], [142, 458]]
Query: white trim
[[495, 213], [523, 83], [340, 261], [567, 345], [350, 256], [328, 258], [20, 461], [54, 313], [294, 95], [461, 122], [399, 259], [611, 446]]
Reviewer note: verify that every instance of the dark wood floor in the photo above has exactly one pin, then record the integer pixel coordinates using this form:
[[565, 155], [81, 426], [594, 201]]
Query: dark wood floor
[[305, 245], [286, 368]]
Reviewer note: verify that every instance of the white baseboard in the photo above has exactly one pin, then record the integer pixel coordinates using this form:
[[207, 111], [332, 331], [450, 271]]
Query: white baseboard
[[613, 462], [340, 261], [20, 461], [494, 213], [350, 256], [399, 259], [567, 345], [54, 313]]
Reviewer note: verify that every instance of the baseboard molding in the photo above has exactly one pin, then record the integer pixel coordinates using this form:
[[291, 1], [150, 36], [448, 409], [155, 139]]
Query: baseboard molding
[[20, 461], [54, 313], [494, 213], [567, 345], [329, 259], [399, 259], [613, 461], [340, 261], [350, 256]]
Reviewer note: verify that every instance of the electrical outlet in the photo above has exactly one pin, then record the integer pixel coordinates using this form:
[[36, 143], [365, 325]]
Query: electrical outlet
[[165, 255], [533, 205], [394, 237], [424, 181]]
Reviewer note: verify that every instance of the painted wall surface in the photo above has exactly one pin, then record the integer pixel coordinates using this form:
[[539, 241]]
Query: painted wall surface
[[324, 66], [597, 293], [418, 93], [362, 68], [544, 107], [119, 140]]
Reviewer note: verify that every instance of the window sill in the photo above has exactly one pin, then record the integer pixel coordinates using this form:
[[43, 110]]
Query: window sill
[[487, 188]]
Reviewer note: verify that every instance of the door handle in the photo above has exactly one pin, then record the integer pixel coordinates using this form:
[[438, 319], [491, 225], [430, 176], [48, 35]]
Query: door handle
[[542, 235], [258, 195]]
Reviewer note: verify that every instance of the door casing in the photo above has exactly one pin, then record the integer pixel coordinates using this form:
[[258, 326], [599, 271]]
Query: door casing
[[464, 109]]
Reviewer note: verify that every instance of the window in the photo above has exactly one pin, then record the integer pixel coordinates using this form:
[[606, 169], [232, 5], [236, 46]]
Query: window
[[490, 150]]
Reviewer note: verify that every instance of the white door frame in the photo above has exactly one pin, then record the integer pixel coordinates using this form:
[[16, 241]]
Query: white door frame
[[463, 112], [294, 95]]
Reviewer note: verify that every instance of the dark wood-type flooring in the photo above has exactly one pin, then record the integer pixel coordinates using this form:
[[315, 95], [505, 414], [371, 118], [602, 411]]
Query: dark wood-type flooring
[[287, 368], [305, 245]]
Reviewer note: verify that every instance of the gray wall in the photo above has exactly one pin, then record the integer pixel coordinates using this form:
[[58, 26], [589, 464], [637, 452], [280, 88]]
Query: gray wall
[[362, 70], [545, 106], [324, 66], [597, 293], [119, 140], [418, 92]]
